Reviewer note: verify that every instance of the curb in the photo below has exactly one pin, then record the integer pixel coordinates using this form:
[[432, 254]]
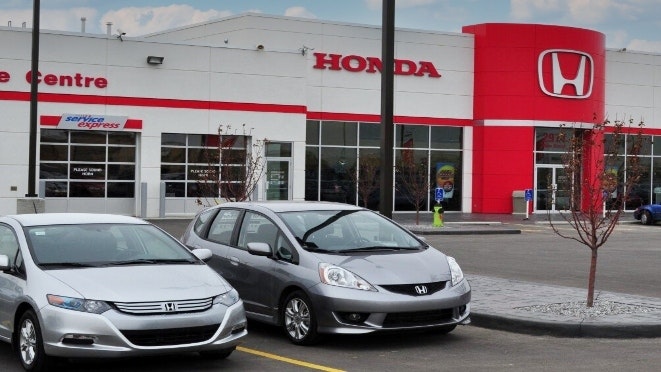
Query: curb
[[577, 329]]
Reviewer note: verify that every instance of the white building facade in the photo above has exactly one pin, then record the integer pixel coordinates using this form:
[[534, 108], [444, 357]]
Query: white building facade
[[119, 134]]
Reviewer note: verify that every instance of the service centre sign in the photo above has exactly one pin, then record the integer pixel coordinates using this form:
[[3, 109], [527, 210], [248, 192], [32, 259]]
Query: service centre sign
[[92, 122], [77, 80]]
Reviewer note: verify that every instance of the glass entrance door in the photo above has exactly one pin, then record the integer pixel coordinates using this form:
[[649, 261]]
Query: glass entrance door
[[277, 180], [549, 196]]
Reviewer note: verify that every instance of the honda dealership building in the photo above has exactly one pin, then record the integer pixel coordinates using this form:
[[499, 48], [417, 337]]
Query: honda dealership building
[[126, 125]]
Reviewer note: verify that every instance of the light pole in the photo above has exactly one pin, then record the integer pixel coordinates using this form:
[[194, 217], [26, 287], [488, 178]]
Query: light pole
[[32, 159], [387, 100]]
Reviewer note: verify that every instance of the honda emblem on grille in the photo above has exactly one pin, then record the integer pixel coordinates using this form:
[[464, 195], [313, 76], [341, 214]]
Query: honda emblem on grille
[[581, 77], [421, 289], [170, 306]]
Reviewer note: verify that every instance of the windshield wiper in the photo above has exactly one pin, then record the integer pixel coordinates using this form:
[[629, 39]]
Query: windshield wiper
[[150, 261], [66, 264], [378, 248]]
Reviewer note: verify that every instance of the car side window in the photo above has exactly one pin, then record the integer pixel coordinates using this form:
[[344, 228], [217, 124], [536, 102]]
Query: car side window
[[8, 243], [201, 221], [223, 225], [257, 228]]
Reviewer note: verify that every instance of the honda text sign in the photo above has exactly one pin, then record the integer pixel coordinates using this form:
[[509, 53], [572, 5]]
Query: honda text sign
[[565, 73]]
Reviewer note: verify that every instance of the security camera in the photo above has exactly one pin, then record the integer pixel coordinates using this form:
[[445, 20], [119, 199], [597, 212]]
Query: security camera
[[121, 33]]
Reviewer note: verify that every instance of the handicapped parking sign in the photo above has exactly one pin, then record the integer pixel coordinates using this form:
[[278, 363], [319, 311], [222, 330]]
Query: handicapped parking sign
[[439, 194], [528, 194]]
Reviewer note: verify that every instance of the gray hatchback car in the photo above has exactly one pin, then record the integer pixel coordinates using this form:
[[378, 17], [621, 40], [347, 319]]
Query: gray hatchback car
[[91, 285], [316, 268]]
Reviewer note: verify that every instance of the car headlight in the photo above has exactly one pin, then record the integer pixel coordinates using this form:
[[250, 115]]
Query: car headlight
[[455, 271], [78, 304], [337, 276], [228, 298]]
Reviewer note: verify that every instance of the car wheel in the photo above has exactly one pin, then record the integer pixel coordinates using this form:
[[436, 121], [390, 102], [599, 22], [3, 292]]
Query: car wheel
[[30, 345], [646, 218], [217, 354], [299, 319]]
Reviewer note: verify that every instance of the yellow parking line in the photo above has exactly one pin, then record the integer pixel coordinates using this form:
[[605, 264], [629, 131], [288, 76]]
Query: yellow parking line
[[288, 360]]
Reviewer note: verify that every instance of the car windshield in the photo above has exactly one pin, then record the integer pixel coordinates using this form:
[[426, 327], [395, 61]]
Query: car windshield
[[347, 230], [91, 245]]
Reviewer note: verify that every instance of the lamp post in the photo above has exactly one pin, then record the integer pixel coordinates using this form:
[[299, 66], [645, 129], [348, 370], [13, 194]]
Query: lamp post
[[32, 159], [387, 100]]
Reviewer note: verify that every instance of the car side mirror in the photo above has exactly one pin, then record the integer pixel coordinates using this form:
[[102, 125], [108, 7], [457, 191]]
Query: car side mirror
[[260, 249], [203, 254], [4, 262]]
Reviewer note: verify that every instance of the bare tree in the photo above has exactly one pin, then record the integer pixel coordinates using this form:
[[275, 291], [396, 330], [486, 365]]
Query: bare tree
[[413, 180], [597, 178], [365, 177], [235, 166]]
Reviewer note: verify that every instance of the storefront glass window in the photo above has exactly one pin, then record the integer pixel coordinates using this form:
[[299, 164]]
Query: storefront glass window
[[312, 132], [412, 136], [338, 133], [334, 168], [191, 164], [81, 164]]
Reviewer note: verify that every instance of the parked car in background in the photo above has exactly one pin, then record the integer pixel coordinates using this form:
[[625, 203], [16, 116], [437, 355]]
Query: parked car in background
[[648, 214], [90, 285], [315, 268]]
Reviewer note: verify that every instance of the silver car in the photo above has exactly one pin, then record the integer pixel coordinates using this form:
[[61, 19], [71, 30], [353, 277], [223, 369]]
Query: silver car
[[91, 285], [317, 268]]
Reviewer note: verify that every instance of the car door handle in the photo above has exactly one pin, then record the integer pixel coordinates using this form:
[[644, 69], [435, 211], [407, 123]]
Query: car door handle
[[234, 261]]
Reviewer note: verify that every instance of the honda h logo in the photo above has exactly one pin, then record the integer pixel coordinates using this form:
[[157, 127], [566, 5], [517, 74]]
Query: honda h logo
[[567, 67], [421, 289], [170, 306]]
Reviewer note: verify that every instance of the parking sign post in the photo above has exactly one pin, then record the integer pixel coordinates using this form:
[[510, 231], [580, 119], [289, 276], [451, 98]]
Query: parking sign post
[[528, 196]]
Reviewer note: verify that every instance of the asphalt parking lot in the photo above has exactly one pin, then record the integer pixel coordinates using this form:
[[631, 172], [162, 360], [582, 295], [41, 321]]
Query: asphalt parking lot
[[628, 264]]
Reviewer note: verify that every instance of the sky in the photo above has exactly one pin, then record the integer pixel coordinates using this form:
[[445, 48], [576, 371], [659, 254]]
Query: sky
[[631, 24]]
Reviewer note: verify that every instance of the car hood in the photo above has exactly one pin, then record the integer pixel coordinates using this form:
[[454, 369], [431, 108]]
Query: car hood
[[398, 267], [144, 283]]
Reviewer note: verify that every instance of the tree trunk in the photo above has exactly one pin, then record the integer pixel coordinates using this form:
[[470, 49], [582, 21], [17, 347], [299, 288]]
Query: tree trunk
[[591, 278]]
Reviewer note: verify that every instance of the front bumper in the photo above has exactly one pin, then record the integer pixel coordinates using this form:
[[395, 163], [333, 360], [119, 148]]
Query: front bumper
[[75, 334], [351, 311]]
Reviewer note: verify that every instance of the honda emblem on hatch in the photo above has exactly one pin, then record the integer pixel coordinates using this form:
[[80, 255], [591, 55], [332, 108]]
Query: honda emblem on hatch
[[170, 306], [421, 289], [562, 73]]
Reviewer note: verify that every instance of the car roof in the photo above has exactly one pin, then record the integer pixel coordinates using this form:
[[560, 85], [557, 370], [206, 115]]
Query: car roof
[[72, 219], [293, 206]]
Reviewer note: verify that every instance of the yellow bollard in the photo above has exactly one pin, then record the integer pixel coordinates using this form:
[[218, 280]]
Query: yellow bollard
[[438, 215]]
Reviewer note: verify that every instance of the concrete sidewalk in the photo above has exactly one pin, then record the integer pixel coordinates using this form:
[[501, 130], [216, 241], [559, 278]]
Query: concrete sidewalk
[[526, 307]]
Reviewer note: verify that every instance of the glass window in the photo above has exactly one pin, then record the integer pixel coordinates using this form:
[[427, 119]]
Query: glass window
[[173, 155], [121, 138], [8, 243], [88, 137], [121, 189], [656, 142], [88, 153], [121, 171], [412, 136], [53, 171], [173, 139], [54, 152], [370, 134], [54, 136], [278, 150], [336, 179], [338, 133], [222, 226], [87, 189], [312, 173], [255, 228], [446, 138], [312, 132], [121, 154]]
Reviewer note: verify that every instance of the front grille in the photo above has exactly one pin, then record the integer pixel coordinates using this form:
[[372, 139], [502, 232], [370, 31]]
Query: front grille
[[164, 307], [410, 289], [170, 336], [418, 318]]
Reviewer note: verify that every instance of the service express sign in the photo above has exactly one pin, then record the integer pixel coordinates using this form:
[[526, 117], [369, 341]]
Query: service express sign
[[92, 122]]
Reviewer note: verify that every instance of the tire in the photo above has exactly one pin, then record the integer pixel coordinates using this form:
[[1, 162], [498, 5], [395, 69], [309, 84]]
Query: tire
[[30, 344], [217, 354], [299, 320], [646, 218]]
